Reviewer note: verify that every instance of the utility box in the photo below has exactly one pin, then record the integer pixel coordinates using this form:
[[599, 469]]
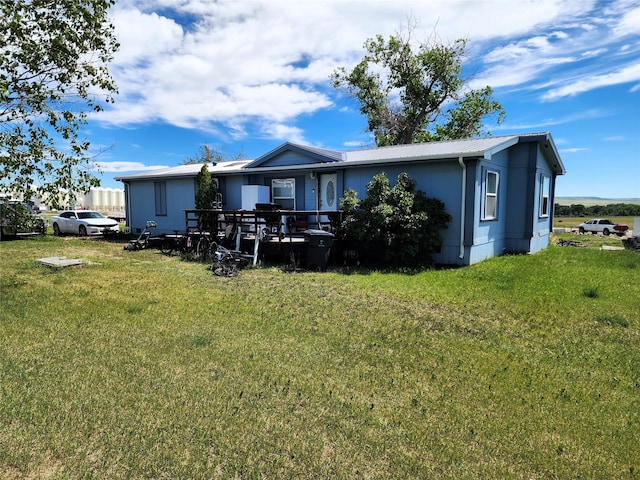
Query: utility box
[[318, 248]]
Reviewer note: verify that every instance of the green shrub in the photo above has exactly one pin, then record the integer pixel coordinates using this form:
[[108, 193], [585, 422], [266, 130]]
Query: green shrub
[[396, 225]]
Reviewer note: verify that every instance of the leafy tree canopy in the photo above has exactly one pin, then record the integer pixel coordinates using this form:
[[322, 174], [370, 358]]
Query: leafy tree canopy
[[205, 155], [53, 71], [417, 96], [609, 210]]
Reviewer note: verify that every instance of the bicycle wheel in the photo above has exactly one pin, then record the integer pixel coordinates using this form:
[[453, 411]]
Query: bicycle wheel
[[203, 250], [167, 246], [226, 270]]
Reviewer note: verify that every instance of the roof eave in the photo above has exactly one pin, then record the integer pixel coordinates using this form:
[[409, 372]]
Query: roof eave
[[549, 148]]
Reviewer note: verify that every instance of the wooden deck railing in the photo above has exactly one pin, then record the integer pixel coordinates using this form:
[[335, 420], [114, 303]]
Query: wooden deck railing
[[276, 222]]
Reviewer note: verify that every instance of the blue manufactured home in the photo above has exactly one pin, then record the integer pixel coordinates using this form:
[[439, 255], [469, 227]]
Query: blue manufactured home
[[499, 190]]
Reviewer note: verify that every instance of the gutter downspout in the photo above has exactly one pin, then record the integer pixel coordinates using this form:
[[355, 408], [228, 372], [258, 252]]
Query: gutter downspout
[[463, 201], [127, 202]]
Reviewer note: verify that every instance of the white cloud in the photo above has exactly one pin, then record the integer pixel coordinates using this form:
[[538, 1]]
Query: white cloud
[[143, 36], [545, 123], [293, 134], [625, 75], [575, 56], [629, 22], [226, 64], [119, 167], [573, 150]]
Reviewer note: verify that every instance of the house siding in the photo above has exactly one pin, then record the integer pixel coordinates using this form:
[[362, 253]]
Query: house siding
[[179, 192], [519, 194], [288, 159], [232, 193], [489, 234]]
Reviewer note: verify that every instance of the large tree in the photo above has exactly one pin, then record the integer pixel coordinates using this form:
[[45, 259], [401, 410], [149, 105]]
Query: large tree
[[206, 154], [417, 96], [53, 72]]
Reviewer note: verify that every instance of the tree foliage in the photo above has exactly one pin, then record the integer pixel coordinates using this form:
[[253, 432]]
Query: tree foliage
[[399, 225], [205, 155], [207, 189], [53, 72], [417, 96], [206, 185], [609, 210]]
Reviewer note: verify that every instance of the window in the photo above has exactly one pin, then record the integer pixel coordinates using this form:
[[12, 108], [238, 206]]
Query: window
[[283, 192], [491, 195], [160, 189], [544, 196]]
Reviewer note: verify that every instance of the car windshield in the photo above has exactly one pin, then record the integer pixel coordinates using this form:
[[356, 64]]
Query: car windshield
[[89, 215]]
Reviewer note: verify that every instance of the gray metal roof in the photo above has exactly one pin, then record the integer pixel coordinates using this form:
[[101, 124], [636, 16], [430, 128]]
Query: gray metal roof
[[472, 147], [451, 149], [466, 148], [189, 170]]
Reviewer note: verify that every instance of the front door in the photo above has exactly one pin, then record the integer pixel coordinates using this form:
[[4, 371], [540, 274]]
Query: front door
[[328, 197], [328, 191]]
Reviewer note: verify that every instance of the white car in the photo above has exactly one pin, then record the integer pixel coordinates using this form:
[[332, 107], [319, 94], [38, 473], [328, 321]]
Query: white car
[[83, 222]]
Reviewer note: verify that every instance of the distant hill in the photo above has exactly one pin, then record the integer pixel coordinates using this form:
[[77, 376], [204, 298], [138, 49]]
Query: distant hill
[[589, 201]]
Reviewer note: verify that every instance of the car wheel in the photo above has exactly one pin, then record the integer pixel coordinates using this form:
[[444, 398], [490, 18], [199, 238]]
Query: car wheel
[[82, 231], [56, 230], [605, 231]]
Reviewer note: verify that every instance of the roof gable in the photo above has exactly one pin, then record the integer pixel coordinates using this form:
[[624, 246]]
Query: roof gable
[[289, 154]]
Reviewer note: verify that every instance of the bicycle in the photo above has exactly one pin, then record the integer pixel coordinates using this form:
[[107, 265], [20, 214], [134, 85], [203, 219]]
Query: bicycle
[[228, 262], [184, 244], [205, 249]]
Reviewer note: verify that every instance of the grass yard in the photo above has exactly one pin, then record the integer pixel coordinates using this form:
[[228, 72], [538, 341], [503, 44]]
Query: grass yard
[[145, 366]]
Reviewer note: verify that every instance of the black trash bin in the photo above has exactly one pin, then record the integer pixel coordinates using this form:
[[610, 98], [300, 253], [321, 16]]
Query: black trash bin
[[318, 249]]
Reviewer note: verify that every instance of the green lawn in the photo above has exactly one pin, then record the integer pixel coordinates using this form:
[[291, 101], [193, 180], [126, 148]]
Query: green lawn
[[145, 366]]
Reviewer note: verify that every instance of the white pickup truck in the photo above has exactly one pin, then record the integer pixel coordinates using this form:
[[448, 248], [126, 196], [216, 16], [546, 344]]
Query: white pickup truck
[[604, 226]]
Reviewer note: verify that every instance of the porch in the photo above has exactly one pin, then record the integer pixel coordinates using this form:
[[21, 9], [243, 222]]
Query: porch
[[269, 233]]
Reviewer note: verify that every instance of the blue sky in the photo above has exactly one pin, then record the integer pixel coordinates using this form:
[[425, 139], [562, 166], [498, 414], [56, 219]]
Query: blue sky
[[244, 76]]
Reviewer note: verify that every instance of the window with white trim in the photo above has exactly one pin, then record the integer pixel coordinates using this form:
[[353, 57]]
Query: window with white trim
[[283, 192], [490, 210], [545, 195]]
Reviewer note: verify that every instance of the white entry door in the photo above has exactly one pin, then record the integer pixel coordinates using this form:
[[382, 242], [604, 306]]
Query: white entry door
[[329, 191], [328, 196]]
